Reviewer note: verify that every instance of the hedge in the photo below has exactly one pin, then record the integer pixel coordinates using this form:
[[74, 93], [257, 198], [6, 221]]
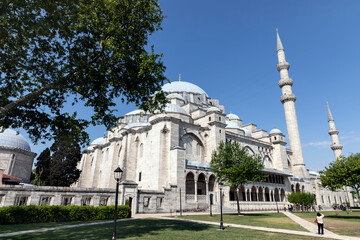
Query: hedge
[[40, 214]]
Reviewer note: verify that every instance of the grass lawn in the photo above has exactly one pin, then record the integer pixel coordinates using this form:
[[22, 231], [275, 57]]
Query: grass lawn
[[271, 220], [338, 222], [31, 226], [157, 229]]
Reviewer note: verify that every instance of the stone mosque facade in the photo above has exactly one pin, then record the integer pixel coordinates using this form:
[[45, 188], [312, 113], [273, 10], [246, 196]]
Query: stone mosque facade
[[165, 157]]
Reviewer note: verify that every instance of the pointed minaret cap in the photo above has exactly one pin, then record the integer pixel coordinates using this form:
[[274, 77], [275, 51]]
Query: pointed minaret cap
[[279, 45], [330, 117]]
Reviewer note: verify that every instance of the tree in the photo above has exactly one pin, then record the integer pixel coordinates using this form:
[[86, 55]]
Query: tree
[[343, 172], [87, 52], [301, 198], [233, 165], [57, 166]]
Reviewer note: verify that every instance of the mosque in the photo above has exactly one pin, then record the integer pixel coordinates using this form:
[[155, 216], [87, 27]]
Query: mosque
[[165, 157]]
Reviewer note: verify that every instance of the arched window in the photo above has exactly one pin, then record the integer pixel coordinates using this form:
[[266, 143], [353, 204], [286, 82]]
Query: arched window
[[190, 183], [267, 162]]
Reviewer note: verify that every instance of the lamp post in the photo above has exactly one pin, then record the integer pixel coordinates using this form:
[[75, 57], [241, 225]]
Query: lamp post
[[117, 176], [221, 202]]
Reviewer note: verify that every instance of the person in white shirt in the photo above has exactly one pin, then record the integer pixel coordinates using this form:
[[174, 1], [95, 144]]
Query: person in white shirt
[[320, 223]]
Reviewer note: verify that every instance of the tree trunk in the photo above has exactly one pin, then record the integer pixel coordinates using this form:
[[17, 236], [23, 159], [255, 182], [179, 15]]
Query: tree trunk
[[237, 202]]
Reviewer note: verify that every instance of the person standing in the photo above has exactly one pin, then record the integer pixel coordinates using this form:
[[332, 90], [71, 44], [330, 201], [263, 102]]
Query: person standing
[[320, 222]]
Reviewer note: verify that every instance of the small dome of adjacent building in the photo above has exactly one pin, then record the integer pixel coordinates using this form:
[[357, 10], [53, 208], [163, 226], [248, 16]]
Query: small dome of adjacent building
[[231, 125], [247, 132], [175, 95], [275, 131], [232, 116], [10, 138], [175, 87], [135, 112], [213, 109], [98, 141], [173, 108]]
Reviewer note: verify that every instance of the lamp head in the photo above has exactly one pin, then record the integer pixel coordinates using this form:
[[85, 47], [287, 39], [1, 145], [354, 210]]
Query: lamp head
[[117, 173]]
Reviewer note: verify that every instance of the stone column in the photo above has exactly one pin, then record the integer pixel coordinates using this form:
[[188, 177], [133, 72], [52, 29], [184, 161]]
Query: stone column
[[206, 192], [196, 197], [246, 196]]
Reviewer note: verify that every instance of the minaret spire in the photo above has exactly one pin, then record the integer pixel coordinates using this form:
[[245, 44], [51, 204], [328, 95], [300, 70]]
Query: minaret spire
[[288, 100], [334, 134]]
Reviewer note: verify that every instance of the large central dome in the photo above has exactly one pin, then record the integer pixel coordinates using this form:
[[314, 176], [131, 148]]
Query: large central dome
[[175, 87]]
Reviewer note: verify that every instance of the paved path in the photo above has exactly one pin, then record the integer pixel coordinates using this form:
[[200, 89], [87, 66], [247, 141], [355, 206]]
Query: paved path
[[301, 221]]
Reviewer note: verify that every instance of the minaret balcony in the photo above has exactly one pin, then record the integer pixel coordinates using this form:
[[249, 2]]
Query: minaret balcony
[[286, 98], [284, 82], [336, 146], [283, 65], [333, 131]]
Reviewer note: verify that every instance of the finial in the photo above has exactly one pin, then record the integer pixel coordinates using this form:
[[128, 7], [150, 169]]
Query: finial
[[279, 45], [179, 77], [277, 30], [330, 117]]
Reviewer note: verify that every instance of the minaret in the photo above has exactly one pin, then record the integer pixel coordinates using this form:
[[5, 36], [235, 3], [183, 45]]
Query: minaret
[[288, 100], [334, 133]]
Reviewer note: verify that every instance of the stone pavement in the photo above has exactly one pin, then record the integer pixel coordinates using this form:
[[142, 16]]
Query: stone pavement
[[307, 225]]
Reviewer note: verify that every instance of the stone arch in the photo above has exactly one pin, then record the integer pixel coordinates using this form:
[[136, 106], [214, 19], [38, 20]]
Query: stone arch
[[267, 162], [232, 194], [297, 187], [249, 150], [194, 147], [201, 184], [253, 194], [302, 188], [292, 188], [282, 195], [242, 193], [276, 195], [248, 195], [260, 194], [267, 194], [211, 182], [190, 183]]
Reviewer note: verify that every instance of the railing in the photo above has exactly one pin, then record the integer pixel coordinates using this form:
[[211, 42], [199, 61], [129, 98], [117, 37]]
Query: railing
[[190, 197], [201, 198]]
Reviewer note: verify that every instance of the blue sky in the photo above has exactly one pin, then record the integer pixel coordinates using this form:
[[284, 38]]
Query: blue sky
[[228, 48]]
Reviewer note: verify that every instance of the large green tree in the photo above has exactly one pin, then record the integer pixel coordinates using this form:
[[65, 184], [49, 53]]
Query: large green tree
[[88, 52], [343, 172], [233, 165], [57, 165]]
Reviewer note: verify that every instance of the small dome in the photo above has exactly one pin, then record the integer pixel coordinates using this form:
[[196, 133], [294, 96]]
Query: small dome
[[175, 95], [98, 141], [135, 112], [213, 109], [10, 138], [275, 131], [231, 125], [247, 132], [174, 87], [136, 124], [232, 116], [173, 108]]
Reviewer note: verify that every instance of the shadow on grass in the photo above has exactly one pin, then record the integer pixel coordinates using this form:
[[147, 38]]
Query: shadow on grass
[[125, 229], [344, 217]]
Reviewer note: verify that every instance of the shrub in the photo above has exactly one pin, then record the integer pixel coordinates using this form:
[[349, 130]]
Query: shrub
[[37, 214]]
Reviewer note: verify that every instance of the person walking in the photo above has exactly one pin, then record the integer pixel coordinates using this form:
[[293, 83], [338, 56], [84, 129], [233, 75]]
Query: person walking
[[320, 222]]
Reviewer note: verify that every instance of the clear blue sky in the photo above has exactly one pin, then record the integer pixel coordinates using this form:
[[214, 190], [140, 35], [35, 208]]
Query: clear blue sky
[[228, 48]]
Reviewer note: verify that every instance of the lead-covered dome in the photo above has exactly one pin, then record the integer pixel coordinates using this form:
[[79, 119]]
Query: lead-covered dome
[[275, 131], [175, 95], [232, 116], [98, 141], [231, 125], [175, 87], [10, 138], [173, 108]]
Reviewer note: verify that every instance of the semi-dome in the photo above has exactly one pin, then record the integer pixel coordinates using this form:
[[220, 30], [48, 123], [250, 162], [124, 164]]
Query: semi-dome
[[213, 109], [98, 141], [135, 112], [173, 108], [232, 125], [10, 138], [247, 132], [232, 116], [275, 131], [174, 95], [175, 87]]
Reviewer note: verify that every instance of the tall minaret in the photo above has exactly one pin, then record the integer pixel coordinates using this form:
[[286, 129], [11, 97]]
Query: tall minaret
[[288, 100], [334, 133]]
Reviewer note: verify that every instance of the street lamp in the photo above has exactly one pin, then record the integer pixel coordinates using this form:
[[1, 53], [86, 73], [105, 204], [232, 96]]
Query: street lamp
[[117, 177], [221, 202]]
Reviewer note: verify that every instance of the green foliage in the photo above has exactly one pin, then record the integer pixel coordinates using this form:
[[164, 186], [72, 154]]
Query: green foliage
[[233, 165], [87, 52], [343, 172], [57, 166], [301, 198], [38, 214]]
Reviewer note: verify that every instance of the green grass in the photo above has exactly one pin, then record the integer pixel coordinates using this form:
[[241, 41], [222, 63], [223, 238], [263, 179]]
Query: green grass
[[32, 226], [338, 222], [157, 229], [271, 220]]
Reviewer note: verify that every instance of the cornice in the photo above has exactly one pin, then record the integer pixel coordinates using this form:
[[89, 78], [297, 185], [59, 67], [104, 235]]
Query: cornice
[[18, 150], [333, 131], [284, 65], [248, 139], [336, 146], [286, 98], [284, 82]]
